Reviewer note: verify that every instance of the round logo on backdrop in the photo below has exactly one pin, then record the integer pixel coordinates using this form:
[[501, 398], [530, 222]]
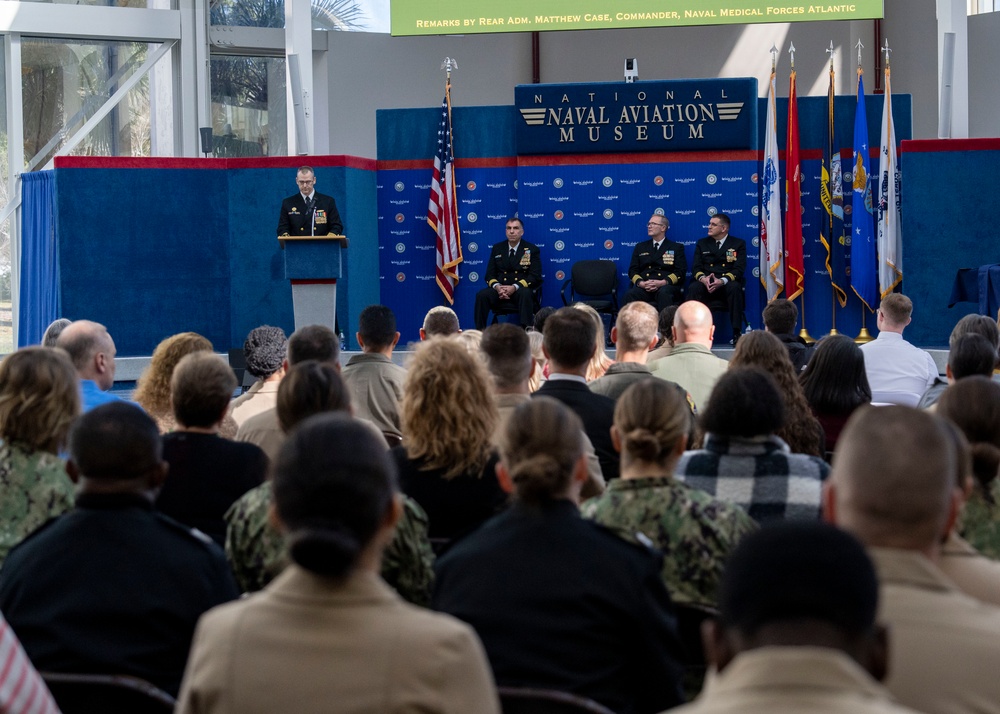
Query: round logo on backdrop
[[400, 277], [474, 277], [659, 212], [756, 272], [712, 210], [559, 245], [471, 185], [658, 180], [608, 213], [848, 209], [558, 215], [754, 178], [711, 178], [399, 186], [755, 210], [755, 242], [846, 240], [400, 218], [802, 209], [515, 183], [473, 247], [609, 244], [400, 247], [607, 182], [558, 183], [849, 176], [472, 217], [560, 275]]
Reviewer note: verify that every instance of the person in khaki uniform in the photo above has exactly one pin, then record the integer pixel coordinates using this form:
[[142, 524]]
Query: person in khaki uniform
[[796, 630], [895, 486], [329, 635], [691, 363], [375, 382]]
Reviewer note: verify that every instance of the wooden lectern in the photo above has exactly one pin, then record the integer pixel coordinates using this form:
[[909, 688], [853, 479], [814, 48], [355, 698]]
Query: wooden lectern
[[312, 265]]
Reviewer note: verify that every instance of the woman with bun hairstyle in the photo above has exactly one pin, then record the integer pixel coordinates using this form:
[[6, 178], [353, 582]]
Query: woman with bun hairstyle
[[328, 635], [558, 601], [694, 530]]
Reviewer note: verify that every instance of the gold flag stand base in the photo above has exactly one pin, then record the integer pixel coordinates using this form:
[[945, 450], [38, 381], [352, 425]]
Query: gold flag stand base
[[833, 332], [804, 334], [863, 337]]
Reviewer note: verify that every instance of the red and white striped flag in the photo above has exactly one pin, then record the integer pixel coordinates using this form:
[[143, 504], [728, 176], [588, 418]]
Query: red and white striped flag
[[442, 211]]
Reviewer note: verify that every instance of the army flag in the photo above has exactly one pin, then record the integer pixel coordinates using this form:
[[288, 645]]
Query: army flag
[[890, 236], [794, 270], [863, 276], [442, 210], [772, 273], [831, 193]]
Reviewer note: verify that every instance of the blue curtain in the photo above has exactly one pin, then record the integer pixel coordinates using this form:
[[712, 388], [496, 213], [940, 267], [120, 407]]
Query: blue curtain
[[39, 303]]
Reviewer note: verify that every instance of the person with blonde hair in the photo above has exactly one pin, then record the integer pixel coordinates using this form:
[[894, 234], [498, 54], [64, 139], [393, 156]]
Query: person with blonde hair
[[446, 461], [152, 391], [600, 361], [39, 399], [695, 531], [559, 602]]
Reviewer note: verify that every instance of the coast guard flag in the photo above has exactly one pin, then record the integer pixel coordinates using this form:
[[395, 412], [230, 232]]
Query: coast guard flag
[[442, 211], [772, 272], [890, 236], [831, 193], [862, 229], [794, 269]]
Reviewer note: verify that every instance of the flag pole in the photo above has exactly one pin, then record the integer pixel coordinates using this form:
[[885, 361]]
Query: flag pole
[[864, 336], [833, 290], [859, 159]]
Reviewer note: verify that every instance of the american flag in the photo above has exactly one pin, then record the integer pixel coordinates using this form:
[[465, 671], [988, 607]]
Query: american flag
[[442, 210]]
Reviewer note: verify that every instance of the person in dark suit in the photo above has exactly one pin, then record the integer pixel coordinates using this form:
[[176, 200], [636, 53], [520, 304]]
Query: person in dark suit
[[658, 267], [568, 343], [558, 601], [308, 213], [513, 272], [719, 263]]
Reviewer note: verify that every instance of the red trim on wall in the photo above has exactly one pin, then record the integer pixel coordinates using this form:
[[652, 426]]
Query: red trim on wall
[[929, 145], [656, 157], [313, 282], [261, 162], [497, 162]]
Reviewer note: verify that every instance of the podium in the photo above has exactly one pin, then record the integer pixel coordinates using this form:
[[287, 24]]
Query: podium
[[312, 265]]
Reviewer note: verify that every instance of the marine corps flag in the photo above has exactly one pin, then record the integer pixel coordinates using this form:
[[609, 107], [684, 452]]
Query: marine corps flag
[[863, 232], [442, 211], [831, 193], [794, 270], [772, 273], [890, 238]]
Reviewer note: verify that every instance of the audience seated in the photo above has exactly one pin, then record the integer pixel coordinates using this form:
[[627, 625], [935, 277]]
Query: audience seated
[[507, 351], [541, 316], [835, 384], [894, 486], [39, 399], [264, 350], [973, 405], [375, 383], [207, 473], [51, 335], [328, 635], [665, 325], [694, 531], [780, 317], [970, 324], [92, 352], [113, 586], [569, 344], [440, 321], [470, 339], [447, 462], [152, 391], [539, 367], [796, 630], [634, 334], [599, 362], [691, 363], [559, 602], [802, 431], [970, 354], [743, 462], [255, 547], [898, 372]]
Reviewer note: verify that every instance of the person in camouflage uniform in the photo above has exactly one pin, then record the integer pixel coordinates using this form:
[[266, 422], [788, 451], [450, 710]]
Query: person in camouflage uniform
[[256, 550], [39, 399], [695, 531]]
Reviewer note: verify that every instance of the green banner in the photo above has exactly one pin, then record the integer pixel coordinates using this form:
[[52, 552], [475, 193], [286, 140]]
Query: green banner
[[462, 17]]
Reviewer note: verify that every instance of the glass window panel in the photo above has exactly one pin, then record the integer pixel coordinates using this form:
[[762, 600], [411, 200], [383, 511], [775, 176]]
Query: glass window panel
[[248, 106], [349, 15], [64, 85], [103, 3]]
